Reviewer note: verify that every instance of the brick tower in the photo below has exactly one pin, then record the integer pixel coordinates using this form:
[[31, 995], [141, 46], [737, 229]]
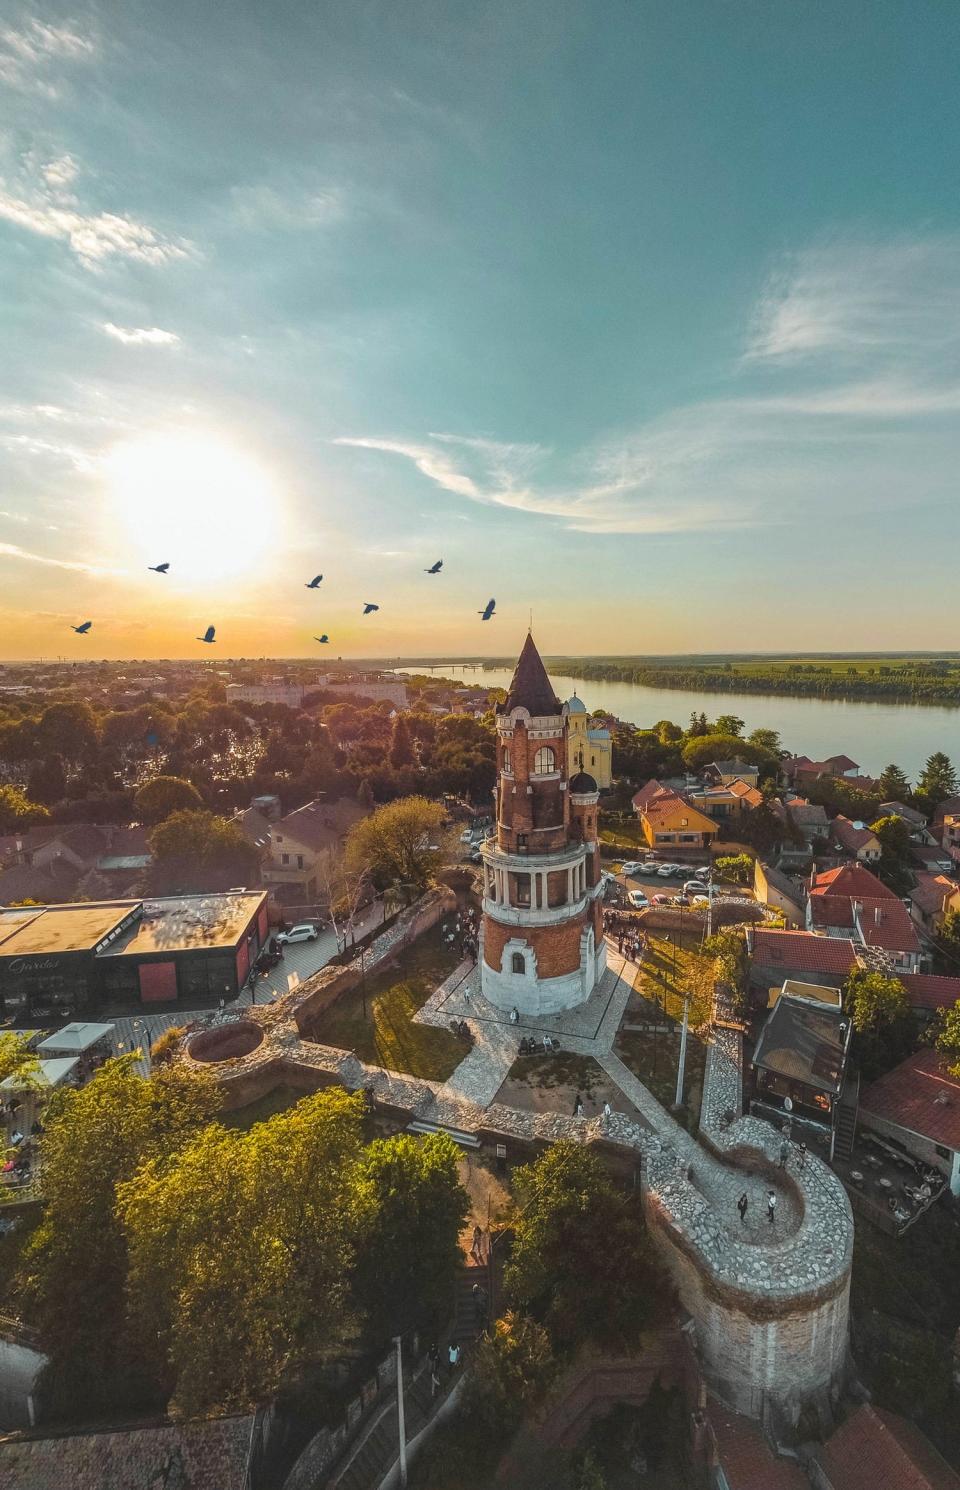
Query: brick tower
[[542, 944]]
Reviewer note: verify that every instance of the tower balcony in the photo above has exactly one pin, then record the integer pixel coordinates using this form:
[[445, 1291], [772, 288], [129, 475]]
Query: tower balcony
[[535, 889]]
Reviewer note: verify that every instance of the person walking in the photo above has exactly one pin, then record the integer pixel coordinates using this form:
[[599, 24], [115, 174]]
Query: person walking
[[742, 1204], [481, 1306], [578, 1106], [784, 1151], [607, 1110], [803, 1155], [476, 1248], [453, 1356], [771, 1205]]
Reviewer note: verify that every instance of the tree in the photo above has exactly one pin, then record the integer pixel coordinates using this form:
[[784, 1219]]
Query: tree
[[894, 838], [581, 1255], [47, 781], [894, 786], [729, 724], [397, 845], [201, 851], [69, 730], [701, 751], [17, 811], [735, 867], [240, 1248], [17, 1059], [667, 732], [948, 1036], [95, 1140], [401, 749], [365, 793], [157, 799], [762, 829], [412, 1207], [512, 1368], [766, 739], [938, 780], [882, 1018]]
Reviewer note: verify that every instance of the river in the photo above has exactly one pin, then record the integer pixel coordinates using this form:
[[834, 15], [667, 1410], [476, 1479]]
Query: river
[[873, 734]]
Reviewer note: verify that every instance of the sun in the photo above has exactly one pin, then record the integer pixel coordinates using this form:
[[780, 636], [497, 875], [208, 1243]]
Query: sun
[[191, 500]]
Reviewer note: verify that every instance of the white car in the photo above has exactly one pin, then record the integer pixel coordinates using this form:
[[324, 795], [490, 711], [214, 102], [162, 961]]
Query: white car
[[638, 900], [704, 872], [693, 887], [633, 866], [305, 932], [666, 871]]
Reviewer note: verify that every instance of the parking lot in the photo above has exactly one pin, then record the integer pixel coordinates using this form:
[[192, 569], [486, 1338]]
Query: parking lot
[[671, 886]]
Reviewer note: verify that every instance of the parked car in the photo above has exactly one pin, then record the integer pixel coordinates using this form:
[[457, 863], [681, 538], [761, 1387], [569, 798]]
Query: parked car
[[466, 835], [701, 899], [666, 871], [476, 857], [305, 932], [638, 900], [693, 887], [704, 872], [663, 900], [633, 866]]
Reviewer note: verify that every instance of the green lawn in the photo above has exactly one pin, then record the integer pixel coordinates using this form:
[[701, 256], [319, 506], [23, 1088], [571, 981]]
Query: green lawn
[[627, 835], [666, 973], [377, 1022]]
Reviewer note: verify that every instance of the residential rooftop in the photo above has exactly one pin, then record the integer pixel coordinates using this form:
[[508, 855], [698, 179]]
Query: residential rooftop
[[919, 1095]]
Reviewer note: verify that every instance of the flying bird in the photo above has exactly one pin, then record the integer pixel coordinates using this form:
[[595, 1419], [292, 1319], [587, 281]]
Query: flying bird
[[368, 607], [314, 582], [323, 638], [488, 610], [210, 635], [83, 628], [434, 568], [159, 568]]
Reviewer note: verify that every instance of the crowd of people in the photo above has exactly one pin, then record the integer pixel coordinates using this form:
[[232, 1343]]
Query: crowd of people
[[624, 929]]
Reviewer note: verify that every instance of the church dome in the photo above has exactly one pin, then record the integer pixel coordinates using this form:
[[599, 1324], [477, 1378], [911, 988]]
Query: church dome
[[582, 784], [576, 705]]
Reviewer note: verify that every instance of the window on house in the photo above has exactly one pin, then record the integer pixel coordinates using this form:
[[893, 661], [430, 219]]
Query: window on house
[[521, 889], [284, 858], [299, 861], [518, 964], [544, 761]]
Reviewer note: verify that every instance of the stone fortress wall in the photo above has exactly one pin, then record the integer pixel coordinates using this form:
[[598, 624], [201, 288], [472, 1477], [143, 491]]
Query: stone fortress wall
[[770, 1316]]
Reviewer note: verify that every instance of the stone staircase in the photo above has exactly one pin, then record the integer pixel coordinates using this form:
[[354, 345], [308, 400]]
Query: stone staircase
[[379, 1449]]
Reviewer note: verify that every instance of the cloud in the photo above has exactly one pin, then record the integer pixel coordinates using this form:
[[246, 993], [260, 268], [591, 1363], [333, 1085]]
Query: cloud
[[13, 551], [43, 206], [260, 207], [26, 54], [141, 336], [866, 301], [846, 401]]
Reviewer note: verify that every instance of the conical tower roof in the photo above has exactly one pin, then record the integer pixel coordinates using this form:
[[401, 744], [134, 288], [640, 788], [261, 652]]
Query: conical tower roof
[[531, 688]]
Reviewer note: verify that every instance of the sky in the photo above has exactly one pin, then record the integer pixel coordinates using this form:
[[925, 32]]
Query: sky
[[642, 315]]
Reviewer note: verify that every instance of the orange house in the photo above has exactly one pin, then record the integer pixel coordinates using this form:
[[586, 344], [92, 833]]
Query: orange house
[[670, 822]]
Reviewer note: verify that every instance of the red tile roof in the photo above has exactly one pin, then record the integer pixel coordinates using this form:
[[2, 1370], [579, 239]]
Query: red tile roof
[[930, 990], [919, 1095], [649, 791], [744, 790], [801, 951], [930, 892], [851, 879], [887, 924], [842, 763], [848, 835], [745, 1456], [831, 910], [877, 1450]]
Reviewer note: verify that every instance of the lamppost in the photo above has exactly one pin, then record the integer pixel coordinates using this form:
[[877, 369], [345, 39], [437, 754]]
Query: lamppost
[[401, 1423]]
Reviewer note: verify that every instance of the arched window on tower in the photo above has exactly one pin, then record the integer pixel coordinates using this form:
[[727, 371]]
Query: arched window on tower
[[506, 758], [544, 761], [518, 964]]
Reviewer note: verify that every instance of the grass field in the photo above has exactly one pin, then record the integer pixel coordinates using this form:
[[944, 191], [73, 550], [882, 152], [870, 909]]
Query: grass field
[[377, 1021]]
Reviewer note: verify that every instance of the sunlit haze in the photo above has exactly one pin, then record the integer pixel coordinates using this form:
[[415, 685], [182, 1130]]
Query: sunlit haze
[[642, 316]]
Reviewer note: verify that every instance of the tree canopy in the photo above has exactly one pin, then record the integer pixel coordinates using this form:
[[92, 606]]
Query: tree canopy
[[17, 810], [882, 1018], [397, 845], [937, 780], [158, 798], [581, 1257], [197, 850]]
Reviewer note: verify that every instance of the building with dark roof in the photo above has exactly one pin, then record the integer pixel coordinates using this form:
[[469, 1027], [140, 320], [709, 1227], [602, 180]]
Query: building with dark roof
[[879, 1450], [776, 955], [80, 957], [800, 1058], [917, 1105], [212, 1454]]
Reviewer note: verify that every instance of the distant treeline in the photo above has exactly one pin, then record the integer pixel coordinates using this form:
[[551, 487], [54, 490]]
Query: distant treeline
[[919, 683]]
